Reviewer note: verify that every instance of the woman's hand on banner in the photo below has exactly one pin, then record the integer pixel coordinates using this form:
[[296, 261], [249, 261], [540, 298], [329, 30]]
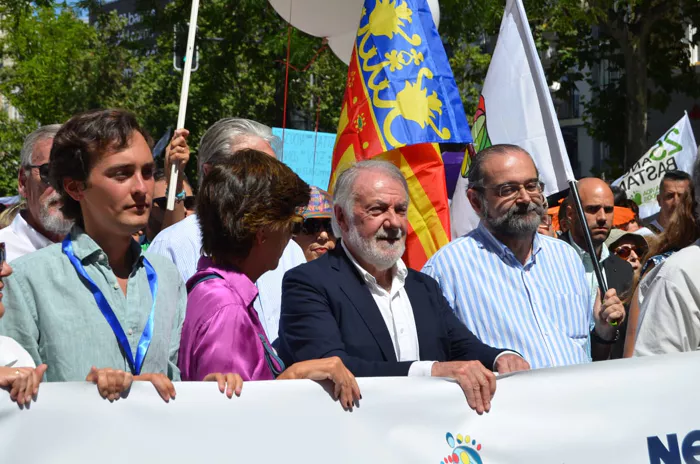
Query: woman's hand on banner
[[345, 388], [23, 382], [228, 383], [164, 386]]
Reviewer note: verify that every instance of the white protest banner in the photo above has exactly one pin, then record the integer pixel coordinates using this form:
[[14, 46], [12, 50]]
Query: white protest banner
[[516, 108], [675, 150], [642, 410]]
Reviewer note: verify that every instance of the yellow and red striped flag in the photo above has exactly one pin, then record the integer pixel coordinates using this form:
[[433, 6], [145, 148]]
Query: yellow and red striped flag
[[400, 102]]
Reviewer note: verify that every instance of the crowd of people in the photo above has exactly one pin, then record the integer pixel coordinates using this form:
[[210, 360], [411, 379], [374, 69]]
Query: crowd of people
[[259, 276]]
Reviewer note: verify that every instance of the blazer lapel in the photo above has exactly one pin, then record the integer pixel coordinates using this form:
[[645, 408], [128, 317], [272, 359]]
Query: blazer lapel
[[354, 287]]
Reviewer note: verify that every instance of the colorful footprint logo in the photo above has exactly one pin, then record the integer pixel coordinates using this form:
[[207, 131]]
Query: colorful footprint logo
[[464, 450]]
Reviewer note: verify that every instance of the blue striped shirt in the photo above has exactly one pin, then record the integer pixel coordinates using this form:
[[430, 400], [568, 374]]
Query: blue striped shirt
[[540, 309]]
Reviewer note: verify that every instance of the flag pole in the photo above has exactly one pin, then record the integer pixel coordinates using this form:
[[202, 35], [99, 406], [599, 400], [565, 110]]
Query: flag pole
[[184, 91]]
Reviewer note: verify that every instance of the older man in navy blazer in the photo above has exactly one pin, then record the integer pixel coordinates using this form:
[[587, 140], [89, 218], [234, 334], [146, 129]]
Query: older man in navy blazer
[[361, 303]]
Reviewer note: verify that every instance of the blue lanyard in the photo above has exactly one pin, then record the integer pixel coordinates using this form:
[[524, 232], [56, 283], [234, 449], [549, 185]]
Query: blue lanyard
[[145, 340]]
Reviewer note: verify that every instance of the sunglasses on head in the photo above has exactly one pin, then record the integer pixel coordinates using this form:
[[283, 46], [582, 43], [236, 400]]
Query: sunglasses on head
[[189, 202], [624, 252], [312, 226], [43, 171]]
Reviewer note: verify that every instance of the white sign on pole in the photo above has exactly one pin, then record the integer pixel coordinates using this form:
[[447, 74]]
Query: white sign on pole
[[675, 150]]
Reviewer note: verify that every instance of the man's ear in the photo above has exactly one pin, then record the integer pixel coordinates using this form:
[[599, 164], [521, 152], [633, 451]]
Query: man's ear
[[476, 201], [22, 182], [75, 189], [341, 218]]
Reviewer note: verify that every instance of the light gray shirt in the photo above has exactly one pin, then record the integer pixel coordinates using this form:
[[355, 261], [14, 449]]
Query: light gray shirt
[[51, 312], [669, 318]]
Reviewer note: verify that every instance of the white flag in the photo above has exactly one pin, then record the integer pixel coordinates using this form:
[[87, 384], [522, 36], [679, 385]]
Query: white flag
[[675, 150], [516, 108]]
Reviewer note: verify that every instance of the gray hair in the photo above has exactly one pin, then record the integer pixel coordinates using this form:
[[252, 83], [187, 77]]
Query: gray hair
[[39, 135], [220, 140], [344, 195]]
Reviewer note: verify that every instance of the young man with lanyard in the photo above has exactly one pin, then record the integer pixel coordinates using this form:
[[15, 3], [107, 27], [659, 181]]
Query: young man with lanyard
[[94, 305]]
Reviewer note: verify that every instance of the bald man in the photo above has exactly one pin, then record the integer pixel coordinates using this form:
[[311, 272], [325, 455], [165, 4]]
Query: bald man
[[513, 287], [598, 204]]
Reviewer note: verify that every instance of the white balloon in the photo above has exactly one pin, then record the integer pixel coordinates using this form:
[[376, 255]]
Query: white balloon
[[342, 44], [320, 18]]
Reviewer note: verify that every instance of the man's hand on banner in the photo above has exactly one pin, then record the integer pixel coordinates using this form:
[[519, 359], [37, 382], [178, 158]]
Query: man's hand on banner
[[110, 382], [163, 385], [345, 386], [511, 362], [233, 381], [611, 310], [477, 382]]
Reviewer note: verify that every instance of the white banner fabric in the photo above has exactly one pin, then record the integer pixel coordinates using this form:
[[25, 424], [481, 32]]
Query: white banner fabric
[[642, 410], [516, 108], [675, 150]]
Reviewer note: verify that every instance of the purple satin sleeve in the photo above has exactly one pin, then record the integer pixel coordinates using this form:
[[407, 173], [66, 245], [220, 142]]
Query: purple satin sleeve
[[229, 342]]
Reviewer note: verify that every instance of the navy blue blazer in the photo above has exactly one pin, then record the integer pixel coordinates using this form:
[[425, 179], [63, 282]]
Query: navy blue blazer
[[327, 310]]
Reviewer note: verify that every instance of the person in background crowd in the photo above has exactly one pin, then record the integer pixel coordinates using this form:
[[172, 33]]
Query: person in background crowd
[[564, 225], [361, 303], [635, 224], [182, 242], [673, 185], [246, 208], [545, 227], [9, 214], [598, 206], [669, 319], [494, 276], [683, 229], [41, 223], [315, 235], [159, 213], [94, 305], [628, 246], [18, 373]]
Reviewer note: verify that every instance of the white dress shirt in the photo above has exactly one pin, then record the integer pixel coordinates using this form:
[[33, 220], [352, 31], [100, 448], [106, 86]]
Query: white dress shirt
[[397, 312], [669, 318], [13, 355], [20, 238], [182, 243]]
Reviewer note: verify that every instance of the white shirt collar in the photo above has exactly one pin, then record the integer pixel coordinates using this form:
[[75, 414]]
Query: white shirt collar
[[399, 271], [22, 228]]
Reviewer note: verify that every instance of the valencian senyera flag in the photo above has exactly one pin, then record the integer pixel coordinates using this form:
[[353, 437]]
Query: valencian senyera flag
[[400, 103]]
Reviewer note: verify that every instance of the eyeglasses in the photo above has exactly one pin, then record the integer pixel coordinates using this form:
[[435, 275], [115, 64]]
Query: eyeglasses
[[189, 202], [43, 171], [625, 251], [511, 189], [312, 226]]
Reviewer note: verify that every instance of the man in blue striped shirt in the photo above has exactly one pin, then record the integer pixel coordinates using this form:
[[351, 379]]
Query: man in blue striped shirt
[[516, 288]]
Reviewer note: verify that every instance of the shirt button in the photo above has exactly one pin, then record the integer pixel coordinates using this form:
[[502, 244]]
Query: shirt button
[[131, 332], [401, 330], [116, 285]]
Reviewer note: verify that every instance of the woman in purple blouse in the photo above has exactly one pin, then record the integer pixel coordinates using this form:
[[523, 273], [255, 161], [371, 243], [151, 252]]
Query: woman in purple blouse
[[246, 209]]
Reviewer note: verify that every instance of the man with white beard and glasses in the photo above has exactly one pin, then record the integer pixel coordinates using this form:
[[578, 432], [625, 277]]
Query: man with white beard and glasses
[[359, 301], [513, 287], [41, 223]]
